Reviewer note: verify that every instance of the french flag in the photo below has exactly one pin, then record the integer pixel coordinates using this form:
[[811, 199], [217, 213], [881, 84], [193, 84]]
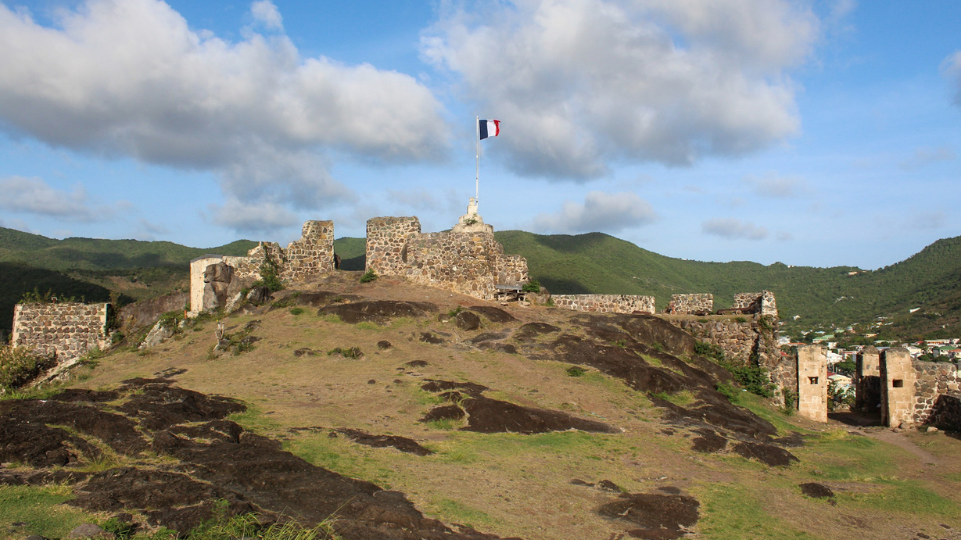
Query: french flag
[[489, 128]]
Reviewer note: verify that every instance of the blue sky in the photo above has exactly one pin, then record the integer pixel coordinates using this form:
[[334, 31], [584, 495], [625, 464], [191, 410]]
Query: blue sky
[[813, 132]]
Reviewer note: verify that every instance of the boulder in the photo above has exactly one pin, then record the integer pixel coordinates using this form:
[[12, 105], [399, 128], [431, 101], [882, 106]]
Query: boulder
[[89, 530], [157, 335]]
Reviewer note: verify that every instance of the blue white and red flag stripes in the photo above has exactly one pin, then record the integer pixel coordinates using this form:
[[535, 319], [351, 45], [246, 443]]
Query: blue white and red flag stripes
[[489, 128]]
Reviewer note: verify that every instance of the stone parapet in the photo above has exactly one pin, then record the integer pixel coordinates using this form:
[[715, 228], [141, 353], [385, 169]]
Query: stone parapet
[[812, 381], [512, 270], [464, 263], [762, 303], [387, 244], [691, 304], [898, 378], [66, 330], [312, 255], [933, 379], [605, 303]]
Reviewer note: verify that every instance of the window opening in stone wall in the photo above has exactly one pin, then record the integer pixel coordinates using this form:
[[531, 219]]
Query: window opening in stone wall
[[898, 383], [814, 380]]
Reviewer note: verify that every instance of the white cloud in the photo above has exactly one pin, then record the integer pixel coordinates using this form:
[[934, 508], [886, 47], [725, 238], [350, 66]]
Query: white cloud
[[951, 68], [604, 212], [266, 13], [258, 218], [34, 196], [129, 78], [775, 186], [579, 83], [734, 229], [925, 156]]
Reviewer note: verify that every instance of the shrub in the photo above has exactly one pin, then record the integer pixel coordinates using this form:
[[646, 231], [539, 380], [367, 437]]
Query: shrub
[[348, 352], [533, 286], [269, 276], [730, 392], [754, 379], [368, 276], [576, 371], [296, 311], [18, 365], [708, 350]]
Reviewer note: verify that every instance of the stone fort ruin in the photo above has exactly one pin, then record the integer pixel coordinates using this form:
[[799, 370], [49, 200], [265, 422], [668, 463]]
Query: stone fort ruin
[[468, 260]]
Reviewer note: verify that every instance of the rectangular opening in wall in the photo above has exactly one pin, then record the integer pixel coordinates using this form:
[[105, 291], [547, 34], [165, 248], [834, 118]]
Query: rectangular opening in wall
[[898, 383], [814, 380]]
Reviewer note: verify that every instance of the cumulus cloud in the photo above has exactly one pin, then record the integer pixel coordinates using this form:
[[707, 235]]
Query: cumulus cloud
[[257, 218], [775, 186], [266, 13], [129, 78], [734, 229], [605, 212], [925, 156], [579, 83], [34, 196], [951, 68]]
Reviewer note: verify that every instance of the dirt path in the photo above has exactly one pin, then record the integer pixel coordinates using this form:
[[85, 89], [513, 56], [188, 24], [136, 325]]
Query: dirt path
[[899, 440]]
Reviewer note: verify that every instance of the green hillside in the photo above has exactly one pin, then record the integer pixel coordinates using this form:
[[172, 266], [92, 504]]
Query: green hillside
[[586, 263], [96, 254]]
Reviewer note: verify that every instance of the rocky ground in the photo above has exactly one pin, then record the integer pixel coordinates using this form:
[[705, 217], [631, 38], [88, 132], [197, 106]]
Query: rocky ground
[[455, 401]]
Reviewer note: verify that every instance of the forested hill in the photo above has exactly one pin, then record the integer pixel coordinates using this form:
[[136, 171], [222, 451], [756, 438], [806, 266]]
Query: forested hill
[[586, 263], [94, 254], [599, 263]]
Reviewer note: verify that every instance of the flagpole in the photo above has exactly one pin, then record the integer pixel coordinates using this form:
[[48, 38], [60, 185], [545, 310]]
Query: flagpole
[[477, 155]]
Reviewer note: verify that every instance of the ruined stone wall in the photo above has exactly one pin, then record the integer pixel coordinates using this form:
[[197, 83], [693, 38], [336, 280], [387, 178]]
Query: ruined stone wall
[[464, 263], [691, 304], [67, 330], [898, 378], [312, 255], [244, 269], [812, 382], [933, 379], [746, 341], [947, 411], [762, 302], [387, 244], [512, 270], [605, 303]]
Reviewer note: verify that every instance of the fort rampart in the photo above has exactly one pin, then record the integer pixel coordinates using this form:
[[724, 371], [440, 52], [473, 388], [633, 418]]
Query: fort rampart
[[65, 330]]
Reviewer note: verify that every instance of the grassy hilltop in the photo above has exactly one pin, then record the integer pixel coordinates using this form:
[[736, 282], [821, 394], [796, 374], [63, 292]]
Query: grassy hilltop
[[417, 413]]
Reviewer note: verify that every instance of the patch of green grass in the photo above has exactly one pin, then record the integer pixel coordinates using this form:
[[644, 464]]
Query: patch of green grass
[[730, 512], [342, 456], [682, 398], [445, 424], [297, 311], [367, 325], [41, 509], [346, 352], [652, 361], [844, 457], [454, 511], [760, 407], [248, 526], [254, 420], [904, 496]]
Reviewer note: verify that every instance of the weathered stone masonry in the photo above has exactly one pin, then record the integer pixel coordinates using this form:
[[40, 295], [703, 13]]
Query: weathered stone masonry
[[605, 303], [471, 263], [66, 330], [691, 304]]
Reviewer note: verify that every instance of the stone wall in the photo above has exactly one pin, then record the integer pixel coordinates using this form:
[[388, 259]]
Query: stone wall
[[387, 244], [312, 255], [738, 337], [691, 304], [512, 270], [464, 263], [762, 303], [812, 382], [933, 379], [947, 412], [898, 378], [67, 330], [605, 303]]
